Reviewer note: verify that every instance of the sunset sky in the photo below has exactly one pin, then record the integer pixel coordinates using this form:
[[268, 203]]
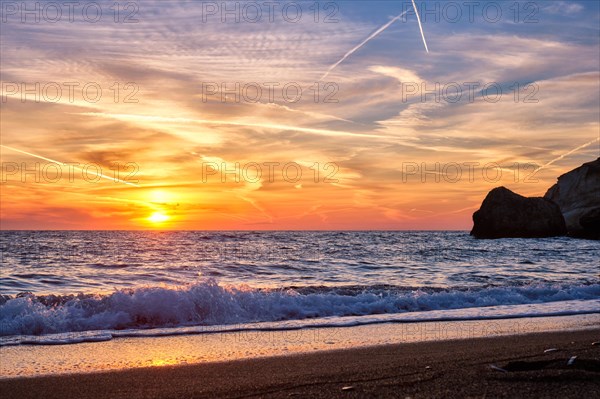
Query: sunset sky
[[372, 141]]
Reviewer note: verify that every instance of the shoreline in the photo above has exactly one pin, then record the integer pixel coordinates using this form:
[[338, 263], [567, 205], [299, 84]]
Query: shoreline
[[135, 352], [415, 369]]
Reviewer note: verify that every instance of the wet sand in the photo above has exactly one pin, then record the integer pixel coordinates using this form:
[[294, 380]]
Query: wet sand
[[460, 368]]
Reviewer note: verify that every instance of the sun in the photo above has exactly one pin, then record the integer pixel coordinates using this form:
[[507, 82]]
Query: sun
[[158, 217]]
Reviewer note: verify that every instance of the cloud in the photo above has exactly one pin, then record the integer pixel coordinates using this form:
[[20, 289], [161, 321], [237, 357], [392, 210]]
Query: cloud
[[354, 49], [563, 7], [259, 125], [370, 132]]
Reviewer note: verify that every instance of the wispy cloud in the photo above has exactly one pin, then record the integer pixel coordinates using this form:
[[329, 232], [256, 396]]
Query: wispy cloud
[[87, 171], [361, 44], [369, 133], [563, 7], [566, 154], [374, 35], [270, 126]]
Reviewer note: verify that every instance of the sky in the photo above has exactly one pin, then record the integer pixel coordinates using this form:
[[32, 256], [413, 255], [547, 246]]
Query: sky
[[215, 116]]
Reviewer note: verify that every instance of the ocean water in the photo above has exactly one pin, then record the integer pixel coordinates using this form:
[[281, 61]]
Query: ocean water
[[67, 287]]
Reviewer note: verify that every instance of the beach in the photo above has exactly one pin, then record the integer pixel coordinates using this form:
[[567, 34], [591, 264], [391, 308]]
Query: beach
[[425, 365], [367, 314], [457, 368]]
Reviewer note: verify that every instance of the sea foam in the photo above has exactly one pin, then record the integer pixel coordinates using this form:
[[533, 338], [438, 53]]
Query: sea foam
[[208, 303]]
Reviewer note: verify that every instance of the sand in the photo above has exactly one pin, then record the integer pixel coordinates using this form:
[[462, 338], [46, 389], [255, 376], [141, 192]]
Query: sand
[[458, 368]]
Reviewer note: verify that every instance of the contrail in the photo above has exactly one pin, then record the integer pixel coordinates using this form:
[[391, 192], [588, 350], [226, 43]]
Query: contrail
[[581, 147], [420, 26], [355, 49], [271, 126], [375, 34], [74, 167]]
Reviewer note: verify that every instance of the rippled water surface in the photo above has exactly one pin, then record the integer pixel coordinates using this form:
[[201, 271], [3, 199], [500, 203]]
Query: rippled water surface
[[103, 282], [90, 262]]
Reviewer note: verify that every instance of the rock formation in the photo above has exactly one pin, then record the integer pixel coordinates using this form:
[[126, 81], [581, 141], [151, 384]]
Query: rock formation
[[504, 213], [577, 193], [571, 206]]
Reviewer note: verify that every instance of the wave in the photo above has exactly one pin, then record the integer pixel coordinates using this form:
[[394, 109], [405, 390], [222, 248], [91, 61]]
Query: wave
[[207, 303]]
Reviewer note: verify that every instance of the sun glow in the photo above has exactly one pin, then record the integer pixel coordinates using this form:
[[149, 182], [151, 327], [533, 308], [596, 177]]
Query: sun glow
[[158, 217], [160, 196], [163, 362]]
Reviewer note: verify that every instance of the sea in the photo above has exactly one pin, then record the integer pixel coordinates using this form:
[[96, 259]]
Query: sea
[[63, 287]]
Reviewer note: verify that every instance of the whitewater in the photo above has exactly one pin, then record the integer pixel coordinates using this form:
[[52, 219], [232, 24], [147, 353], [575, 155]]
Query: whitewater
[[70, 287]]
